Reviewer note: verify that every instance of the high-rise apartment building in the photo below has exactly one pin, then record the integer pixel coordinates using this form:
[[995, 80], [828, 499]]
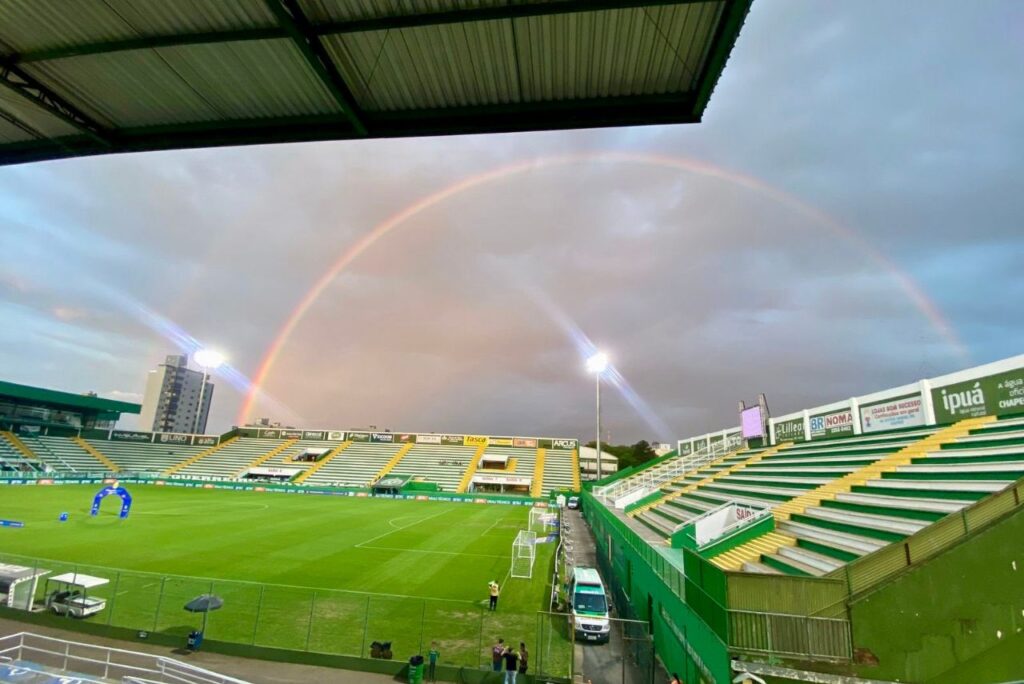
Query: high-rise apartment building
[[173, 396]]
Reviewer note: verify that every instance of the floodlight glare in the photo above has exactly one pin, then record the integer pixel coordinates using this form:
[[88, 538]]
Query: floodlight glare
[[208, 358], [597, 363]]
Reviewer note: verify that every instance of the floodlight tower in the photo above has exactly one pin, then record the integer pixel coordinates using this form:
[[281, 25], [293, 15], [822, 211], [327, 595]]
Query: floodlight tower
[[209, 360], [597, 364]]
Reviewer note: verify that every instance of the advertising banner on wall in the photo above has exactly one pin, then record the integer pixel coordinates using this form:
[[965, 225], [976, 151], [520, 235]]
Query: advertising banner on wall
[[685, 448], [892, 414], [716, 442], [130, 436], [564, 444], [524, 443], [172, 438], [205, 440], [790, 431], [359, 436], [428, 439], [829, 425], [475, 440], [312, 434], [382, 437], [998, 394], [336, 435], [451, 439], [501, 441], [700, 444], [405, 438], [272, 433], [291, 434]]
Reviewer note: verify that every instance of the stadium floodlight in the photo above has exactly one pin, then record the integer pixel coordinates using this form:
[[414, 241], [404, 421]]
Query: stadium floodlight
[[208, 360], [524, 552], [598, 364]]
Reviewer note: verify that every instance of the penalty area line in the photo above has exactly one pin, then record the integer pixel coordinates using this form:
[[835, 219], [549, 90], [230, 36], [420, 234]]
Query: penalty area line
[[403, 527]]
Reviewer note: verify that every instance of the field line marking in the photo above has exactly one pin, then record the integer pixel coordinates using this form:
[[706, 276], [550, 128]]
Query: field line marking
[[446, 553], [417, 522]]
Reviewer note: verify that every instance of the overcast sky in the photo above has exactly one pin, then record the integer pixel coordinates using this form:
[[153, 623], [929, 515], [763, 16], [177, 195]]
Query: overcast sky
[[851, 152]]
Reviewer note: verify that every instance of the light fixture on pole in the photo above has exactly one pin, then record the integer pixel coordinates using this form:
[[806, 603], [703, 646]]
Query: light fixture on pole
[[597, 364], [208, 360]]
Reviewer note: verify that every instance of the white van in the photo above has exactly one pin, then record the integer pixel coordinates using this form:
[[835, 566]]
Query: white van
[[589, 605]]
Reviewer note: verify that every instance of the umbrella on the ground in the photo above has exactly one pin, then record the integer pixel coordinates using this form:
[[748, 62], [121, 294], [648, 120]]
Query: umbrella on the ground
[[204, 603]]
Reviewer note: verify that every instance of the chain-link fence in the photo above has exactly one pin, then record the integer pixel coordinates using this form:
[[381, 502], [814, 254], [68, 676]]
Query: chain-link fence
[[297, 618], [626, 657]]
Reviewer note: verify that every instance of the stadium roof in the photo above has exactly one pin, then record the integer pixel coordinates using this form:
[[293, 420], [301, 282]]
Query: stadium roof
[[39, 395], [100, 76]]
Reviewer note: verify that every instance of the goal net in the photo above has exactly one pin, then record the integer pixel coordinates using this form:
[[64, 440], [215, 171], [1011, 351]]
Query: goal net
[[542, 521], [524, 550]]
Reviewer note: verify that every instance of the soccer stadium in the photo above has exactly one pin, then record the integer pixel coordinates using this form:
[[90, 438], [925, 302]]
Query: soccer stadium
[[870, 533]]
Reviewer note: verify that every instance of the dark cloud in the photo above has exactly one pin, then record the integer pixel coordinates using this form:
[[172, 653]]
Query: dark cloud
[[902, 122]]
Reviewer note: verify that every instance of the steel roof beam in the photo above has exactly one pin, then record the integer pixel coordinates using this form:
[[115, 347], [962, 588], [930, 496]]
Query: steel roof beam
[[16, 80], [295, 23], [460, 16], [150, 42]]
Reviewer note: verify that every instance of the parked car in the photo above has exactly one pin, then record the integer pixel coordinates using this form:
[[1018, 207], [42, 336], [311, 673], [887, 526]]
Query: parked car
[[574, 502]]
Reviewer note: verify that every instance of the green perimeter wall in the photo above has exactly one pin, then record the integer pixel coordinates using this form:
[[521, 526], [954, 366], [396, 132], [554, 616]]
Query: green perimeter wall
[[678, 606], [940, 621], [423, 495]]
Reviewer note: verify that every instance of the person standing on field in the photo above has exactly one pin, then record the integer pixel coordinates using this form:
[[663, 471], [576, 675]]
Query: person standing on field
[[523, 657], [497, 652], [495, 590], [434, 654], [511, 665]]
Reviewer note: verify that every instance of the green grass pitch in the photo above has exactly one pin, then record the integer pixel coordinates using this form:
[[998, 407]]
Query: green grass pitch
[[328, 574]]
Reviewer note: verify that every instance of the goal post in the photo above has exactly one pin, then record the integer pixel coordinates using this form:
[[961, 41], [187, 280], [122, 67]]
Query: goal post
[[542, 521], [524, 552]]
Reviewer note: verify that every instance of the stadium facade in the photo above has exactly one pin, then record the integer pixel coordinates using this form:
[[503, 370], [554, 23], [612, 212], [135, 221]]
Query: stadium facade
[[34, 409]]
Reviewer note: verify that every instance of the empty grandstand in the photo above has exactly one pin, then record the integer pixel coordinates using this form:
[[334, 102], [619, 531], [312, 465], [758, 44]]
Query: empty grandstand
[[789, 544]]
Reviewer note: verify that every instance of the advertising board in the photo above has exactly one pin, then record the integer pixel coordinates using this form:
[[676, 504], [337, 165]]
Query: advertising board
[[892, 414]]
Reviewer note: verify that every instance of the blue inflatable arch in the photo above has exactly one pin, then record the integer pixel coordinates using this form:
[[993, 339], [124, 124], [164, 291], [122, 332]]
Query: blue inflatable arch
[[126, 499]]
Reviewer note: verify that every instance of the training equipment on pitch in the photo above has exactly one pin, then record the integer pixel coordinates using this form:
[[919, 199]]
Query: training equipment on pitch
[[126, 500], [524, 552]]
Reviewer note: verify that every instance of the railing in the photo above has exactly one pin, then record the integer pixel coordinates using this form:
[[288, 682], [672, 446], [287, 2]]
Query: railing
[[104, 662], [623, 492], [815, 638]]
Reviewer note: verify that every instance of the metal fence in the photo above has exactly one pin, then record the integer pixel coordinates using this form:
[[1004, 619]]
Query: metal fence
[[795, 635], [335, 622]]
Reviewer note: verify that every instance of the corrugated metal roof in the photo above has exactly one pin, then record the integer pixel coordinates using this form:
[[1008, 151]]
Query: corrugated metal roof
[[94, 76], [30, 25]]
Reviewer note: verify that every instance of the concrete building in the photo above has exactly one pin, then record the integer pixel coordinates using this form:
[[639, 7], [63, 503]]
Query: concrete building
[[173, 393], [588, 463]]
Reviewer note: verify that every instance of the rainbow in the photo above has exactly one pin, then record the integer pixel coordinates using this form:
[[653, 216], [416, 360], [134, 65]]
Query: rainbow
[[910, 288]]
